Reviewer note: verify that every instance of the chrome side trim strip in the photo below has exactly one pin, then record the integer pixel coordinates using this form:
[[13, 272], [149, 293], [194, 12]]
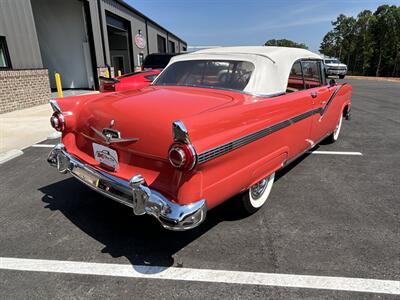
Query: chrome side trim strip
[[323, 110], [232, 145]]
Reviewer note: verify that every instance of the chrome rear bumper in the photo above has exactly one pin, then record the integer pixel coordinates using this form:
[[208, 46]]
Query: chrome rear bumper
[[134, 193]]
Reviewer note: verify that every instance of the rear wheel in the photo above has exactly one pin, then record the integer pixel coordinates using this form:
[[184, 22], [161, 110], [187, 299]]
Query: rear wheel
[[341, 76], [256, 196], [335, 134]]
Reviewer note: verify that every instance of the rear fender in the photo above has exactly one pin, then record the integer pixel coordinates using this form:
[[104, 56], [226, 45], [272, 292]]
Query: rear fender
[[71, 103], [347, 103], [268, 165], [347, 91], [69, 106]]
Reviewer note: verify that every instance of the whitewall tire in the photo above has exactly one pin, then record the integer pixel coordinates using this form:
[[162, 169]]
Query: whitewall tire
[[335, 134], [256, 196], [337, 130]]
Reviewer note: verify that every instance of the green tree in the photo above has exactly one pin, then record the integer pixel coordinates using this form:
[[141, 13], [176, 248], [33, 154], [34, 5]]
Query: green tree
[[285, 43], [368, 44], [328, 45], [363, 40], [343, 32]]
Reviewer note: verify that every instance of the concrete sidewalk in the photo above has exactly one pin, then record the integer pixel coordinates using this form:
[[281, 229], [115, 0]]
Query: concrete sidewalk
[[23, 128]]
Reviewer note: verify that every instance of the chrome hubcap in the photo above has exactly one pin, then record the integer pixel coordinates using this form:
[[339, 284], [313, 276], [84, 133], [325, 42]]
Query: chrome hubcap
[[258, 189]]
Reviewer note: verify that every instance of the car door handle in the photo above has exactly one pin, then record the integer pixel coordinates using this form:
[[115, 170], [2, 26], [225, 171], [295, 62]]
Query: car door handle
[[314, 94]]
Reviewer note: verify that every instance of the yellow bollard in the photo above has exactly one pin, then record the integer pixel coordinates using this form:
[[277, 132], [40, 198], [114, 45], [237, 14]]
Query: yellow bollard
[[58, 84], [106, 73], [119, 73]]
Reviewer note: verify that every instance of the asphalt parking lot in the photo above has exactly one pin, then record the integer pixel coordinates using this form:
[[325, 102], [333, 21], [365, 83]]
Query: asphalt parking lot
[[328, 215]]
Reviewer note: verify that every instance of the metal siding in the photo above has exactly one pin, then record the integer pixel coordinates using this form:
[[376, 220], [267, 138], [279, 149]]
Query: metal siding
[[183, 44], [177, 50], [18, 26], [153, 31], [136, 22], [98, 46]]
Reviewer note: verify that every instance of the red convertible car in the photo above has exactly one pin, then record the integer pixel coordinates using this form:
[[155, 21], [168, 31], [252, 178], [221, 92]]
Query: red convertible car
[[152, 66], [131, 81], [214, 124]]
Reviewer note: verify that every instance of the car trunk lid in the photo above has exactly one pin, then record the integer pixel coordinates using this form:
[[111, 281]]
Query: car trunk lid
[[145, 115]]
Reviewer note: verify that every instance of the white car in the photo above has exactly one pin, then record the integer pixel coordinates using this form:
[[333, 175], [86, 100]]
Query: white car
[[334, 67]]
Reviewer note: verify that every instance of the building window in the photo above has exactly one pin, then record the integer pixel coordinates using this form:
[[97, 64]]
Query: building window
[[5, 62], [161, 44], [184, 49], [171, 46]]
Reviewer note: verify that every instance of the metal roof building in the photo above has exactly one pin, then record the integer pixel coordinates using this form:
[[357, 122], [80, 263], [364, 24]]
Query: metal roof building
[[78, 39]]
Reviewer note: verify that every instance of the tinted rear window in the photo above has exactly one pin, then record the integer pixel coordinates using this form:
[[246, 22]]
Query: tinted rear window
[[156, 61], [232, 75]]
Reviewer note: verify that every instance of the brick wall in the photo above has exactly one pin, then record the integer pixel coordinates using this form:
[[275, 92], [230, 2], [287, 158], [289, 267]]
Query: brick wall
[[23, 88]]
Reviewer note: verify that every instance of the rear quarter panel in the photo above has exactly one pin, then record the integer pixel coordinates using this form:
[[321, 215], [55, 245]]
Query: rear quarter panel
[[235, 171]]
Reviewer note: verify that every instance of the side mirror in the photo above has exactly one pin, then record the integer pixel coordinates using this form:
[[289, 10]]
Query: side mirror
[[332, 82]]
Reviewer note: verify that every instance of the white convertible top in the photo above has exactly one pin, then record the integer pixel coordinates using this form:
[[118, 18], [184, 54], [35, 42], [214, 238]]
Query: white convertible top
[[272, 64]]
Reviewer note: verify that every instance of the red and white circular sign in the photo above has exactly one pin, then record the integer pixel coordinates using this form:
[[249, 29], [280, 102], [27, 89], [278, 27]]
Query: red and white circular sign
[[140, 42]]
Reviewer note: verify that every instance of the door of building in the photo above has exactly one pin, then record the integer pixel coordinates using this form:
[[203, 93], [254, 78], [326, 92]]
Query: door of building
[[119, 42]]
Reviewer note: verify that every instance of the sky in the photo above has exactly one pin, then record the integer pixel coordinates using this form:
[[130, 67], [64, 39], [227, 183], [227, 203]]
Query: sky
[[250, 22]]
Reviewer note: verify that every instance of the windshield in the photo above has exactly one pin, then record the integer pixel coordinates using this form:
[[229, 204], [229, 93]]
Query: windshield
[[332, 61], [223, 74]]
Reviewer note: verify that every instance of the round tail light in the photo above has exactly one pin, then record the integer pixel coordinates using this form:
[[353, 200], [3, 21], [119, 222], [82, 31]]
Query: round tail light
[[182, 156], [57, 121]]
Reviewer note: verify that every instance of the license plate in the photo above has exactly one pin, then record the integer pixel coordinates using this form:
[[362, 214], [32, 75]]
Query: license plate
[[105, 156]]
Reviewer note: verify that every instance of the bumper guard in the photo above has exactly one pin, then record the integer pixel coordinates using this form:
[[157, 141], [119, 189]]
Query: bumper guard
[[134, 193]]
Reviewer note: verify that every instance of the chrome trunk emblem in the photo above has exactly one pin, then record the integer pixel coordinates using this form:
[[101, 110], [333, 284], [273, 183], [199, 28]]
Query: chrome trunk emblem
[[110, 135]]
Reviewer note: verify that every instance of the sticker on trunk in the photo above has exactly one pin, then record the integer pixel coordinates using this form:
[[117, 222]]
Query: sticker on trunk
[[105, 156]]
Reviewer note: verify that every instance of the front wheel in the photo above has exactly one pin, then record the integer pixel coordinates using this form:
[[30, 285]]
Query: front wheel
[[335, 134], [257, 195]]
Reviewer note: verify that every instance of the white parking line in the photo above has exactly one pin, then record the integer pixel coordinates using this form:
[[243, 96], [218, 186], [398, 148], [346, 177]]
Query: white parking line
[[335, 152], [43, 146], [9, 155], [204, 275]]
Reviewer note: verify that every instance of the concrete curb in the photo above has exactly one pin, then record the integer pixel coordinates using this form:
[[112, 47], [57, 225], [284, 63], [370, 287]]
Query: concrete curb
[[6, 156], [390, 79]]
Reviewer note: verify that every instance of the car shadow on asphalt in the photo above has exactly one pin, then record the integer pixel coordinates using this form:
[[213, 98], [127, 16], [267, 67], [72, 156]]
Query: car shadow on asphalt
[[141, 239]]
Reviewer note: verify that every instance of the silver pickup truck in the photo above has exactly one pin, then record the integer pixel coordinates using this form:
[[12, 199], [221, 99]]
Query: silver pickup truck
[[334, 67]]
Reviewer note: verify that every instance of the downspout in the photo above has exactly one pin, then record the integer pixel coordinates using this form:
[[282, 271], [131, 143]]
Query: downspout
[[167, 45], [147, 37], [102, 33]]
